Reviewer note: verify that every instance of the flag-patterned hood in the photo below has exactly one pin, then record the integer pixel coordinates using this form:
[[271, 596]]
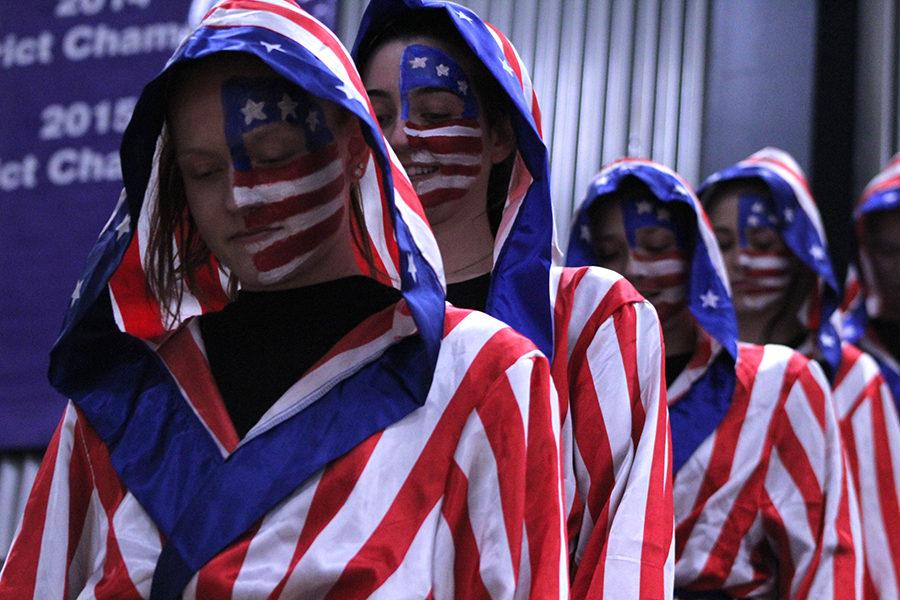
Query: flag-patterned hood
[[709, 296], [524, 246], [862, 298], [800, 225], [106, 357]]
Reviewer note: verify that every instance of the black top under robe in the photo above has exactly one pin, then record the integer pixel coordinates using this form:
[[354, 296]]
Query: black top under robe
[[471, 293], [261, 343]]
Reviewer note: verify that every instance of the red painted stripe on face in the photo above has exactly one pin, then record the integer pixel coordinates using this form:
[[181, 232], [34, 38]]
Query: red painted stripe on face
[[284, 251], [437, 197], [448, 144], [302, 166], [267, 214]]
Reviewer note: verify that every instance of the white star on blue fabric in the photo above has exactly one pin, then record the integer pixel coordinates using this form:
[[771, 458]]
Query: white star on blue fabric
[[270, 47], [643, 206], [288, 107], [827, 340], [411, 268], [817, 252], [254, 111], [123, 228], [789, 215], [710, 299], [463, 16], [586, 233], [418, 62], [77, 293], [442, 70], [347, 89]]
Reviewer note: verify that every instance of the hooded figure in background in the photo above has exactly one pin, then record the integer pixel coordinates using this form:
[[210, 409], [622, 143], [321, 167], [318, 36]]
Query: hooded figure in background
[[770, 232], [872, 303], [332, 428], [762, 506], [457, 106]]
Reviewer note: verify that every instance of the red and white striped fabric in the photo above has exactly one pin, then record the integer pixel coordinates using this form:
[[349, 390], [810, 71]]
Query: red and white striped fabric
[[461, 498], [607, 367], [763, 507], [869, 427]]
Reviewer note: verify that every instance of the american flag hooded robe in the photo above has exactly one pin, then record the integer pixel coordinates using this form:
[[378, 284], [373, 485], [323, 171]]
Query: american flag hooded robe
[[761, 501], [865, 407], [418, 458], [605, 344]]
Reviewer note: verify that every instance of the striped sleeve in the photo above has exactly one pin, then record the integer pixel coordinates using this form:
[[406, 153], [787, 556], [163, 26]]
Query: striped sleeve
[[871, 433], [810, 511], [622, 453], [502, 513], [63, 529]]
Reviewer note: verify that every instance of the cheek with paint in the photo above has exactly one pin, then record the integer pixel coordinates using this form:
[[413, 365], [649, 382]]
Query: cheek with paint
[[295, 205], [661, 277], [446, 152], [767, 273]]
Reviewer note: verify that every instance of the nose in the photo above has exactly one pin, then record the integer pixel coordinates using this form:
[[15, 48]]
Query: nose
[[241, 196], [396, 136]]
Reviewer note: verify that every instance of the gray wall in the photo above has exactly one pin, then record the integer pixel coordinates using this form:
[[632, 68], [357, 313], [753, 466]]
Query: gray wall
[[760, 80]]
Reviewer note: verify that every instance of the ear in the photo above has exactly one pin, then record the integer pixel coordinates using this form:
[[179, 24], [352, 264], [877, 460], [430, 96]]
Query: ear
[[358, 151], [503, 140]]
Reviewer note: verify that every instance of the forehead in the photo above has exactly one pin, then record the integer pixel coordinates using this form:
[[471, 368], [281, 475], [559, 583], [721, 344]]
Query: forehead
[[884, 225], [383, 67]]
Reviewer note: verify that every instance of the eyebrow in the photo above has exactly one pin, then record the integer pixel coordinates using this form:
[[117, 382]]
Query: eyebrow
[[376, 93]]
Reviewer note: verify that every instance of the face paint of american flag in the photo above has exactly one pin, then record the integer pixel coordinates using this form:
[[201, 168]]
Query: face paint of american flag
[[292, 208], [767, 273], [660, 276], [446, 153]]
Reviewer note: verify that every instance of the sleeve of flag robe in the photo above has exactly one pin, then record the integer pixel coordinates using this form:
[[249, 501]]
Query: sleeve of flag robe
[[870, 429], [622, 455]]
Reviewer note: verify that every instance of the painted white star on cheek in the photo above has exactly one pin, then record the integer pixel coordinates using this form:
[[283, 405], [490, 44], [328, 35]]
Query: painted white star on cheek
[[758, 207], [586, 233], [288, 107], [411, 268], [442, 70], [418, 62], [253, 111], [643, 206], [123, 228], [312, 120], [709, 299], [463, 87], [753, 221]]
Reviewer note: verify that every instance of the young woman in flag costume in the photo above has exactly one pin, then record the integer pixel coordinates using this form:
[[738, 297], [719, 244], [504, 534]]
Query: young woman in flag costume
[[872, 301], [762, 505], [771, 234], [415, 456], [457, 105]]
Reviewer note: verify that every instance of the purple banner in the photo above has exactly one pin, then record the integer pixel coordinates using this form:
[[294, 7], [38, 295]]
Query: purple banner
[[70, 72]]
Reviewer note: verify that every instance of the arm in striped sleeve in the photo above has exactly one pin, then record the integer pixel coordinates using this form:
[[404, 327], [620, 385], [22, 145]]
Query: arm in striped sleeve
[[623, 459], [502, 512], [39, 564], [870, 429], [811, 515]]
